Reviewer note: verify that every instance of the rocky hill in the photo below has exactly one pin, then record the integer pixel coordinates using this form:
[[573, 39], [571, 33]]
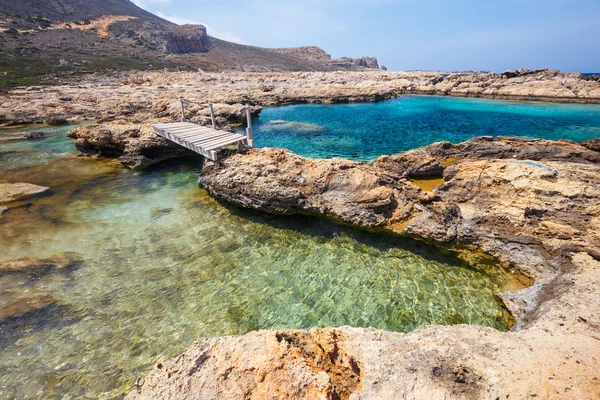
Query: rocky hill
[[41, 40]]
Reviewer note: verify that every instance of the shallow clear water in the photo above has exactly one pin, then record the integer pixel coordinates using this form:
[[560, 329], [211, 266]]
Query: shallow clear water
[[365, 131], [160, 263]]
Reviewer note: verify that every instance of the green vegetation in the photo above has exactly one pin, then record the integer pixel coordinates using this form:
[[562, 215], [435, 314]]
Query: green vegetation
[[12, 32]]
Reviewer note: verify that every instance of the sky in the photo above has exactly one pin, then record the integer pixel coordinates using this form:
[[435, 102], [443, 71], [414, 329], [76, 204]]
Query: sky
[[481, 35]]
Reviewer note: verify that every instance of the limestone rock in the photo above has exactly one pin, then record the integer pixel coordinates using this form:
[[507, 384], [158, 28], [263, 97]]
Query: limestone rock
[[35, 266], [177, 39], [34, 135], [497, 194], [13, 192], [260, 365]]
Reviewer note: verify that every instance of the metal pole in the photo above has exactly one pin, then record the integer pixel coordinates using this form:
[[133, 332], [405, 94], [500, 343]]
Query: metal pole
[[212, 115], [182, 109], [249, 140]]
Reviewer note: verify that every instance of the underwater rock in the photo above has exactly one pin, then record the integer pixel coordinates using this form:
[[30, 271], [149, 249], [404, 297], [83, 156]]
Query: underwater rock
[[292, 125], [11, 307], [13, 192], [20, 292], [34, 135], [37, 266]]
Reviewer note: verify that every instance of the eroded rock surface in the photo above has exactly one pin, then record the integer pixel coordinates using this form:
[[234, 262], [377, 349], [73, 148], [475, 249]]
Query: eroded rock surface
[[260, 365], [140, 99], [497, 194], [534, 204]]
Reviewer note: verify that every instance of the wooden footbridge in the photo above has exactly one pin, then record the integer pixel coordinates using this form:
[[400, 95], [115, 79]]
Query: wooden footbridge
[[203, 140]]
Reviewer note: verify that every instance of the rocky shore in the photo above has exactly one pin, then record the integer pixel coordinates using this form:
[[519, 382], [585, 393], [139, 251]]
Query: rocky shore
[[126, 107], [532, 204]]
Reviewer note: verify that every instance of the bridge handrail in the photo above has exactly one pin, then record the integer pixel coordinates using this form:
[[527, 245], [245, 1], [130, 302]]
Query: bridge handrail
[[246, 108]]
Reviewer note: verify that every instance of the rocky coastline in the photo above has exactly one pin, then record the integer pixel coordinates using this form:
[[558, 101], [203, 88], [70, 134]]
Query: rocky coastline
[[531, 204], [125, 107]]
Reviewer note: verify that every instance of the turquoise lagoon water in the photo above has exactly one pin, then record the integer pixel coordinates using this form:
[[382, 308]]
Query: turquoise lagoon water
[[159, 263], [365, 131]]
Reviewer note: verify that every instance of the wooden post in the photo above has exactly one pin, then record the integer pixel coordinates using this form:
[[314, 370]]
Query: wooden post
[[182, 109], [212, 115], [249, 140]]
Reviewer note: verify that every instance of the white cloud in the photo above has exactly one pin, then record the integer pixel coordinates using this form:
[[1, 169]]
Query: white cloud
[[144, 3], [177, 19], [230, 37]]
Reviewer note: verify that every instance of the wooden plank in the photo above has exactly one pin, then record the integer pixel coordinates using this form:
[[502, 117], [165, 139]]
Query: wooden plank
[[225, 143], [175, 126], [210, 131], [214, 141], [191, 133], [213, 133], [204, 135], [196, 130], [209, 136], [181, 130], [172, 124], [204, 128]]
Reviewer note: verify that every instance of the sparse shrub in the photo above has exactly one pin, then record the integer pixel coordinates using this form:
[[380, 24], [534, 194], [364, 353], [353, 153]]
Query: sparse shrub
[[12, 32]]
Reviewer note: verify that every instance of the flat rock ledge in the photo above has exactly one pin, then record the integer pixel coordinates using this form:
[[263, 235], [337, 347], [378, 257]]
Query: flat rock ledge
[[13, 195], [533, 204]]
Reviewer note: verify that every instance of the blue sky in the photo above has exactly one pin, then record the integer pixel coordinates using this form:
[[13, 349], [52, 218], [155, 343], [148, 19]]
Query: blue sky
[[411, 34]]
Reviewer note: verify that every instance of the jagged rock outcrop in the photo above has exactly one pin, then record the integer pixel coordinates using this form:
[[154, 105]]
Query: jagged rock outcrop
[[316, 53], [177, 40], [306, 52], [366, 62], [291, 365], [22, 276]]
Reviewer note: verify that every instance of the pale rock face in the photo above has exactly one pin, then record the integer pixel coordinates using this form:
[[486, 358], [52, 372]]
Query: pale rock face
[[13, 192], [531, 203], [177, 40]]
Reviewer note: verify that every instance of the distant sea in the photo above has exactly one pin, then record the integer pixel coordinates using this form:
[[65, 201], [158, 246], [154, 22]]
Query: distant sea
[[590, 73], [364, 131]]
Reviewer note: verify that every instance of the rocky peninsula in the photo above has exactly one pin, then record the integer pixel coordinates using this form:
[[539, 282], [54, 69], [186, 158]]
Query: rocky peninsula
[[531, 204]]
